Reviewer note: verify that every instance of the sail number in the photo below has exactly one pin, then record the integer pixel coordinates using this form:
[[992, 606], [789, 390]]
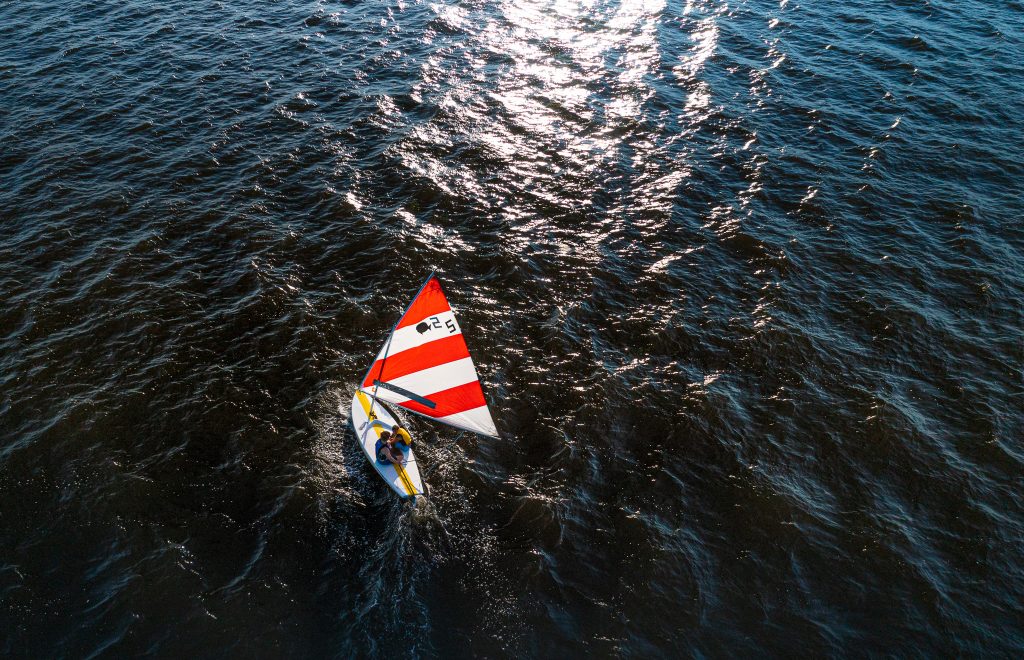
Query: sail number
[[434, 322], [448, 323]]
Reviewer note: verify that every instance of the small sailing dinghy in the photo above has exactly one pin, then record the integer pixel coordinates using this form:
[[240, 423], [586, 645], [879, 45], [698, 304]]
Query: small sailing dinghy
[[425, 368]]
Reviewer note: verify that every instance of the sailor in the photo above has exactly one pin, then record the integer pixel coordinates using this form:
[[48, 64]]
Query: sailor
[[387, 452], [401, 435]]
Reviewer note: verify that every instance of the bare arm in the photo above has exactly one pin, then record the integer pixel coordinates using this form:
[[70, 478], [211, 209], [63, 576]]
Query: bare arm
[[393, 455]]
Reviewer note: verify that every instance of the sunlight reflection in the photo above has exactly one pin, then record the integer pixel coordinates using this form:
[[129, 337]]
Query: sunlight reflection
[[560, 97], [560, 49]]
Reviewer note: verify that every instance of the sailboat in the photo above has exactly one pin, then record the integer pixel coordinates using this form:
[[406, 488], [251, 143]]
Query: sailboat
[[424, 368]]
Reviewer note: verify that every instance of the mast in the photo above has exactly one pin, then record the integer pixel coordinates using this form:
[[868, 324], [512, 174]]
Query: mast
[[387, 345]]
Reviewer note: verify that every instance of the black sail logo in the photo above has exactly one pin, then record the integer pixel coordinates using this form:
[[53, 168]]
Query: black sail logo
[[422, 327]]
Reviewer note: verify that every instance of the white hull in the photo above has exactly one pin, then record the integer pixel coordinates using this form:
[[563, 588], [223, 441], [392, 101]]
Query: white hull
[[406, 479]]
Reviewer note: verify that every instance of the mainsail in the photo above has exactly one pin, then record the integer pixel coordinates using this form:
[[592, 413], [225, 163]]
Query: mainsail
[[425, 366]]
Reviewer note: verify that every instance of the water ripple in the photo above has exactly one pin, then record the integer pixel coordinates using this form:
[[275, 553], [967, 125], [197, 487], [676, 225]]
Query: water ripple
[[742, 281]]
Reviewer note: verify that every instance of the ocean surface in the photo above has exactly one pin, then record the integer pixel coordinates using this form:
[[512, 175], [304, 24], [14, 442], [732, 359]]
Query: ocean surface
[[744, 282]]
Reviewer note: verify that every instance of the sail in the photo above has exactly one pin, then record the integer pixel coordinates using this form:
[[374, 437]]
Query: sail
[[425, 366]]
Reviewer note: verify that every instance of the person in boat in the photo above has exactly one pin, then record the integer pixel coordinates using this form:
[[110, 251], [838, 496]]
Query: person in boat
[[401, 435], [387, 451]]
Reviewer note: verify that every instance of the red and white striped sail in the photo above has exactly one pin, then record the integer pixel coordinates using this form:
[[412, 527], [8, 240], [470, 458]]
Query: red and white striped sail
[[426, 356]]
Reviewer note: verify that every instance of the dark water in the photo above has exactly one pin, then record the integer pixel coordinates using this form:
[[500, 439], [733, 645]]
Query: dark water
[[781, 240]]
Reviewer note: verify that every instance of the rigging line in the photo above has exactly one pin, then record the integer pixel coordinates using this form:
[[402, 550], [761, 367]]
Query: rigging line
[[376, 382], [400, 469], [461, 428]]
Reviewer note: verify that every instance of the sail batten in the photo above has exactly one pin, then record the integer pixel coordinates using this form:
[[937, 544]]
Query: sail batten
[[426, 355]]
